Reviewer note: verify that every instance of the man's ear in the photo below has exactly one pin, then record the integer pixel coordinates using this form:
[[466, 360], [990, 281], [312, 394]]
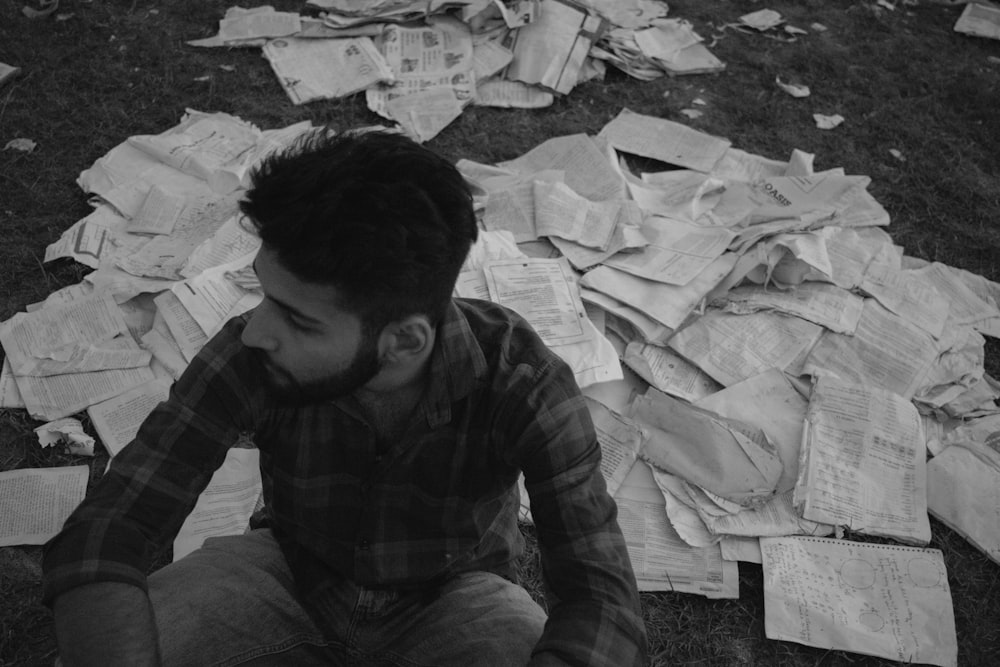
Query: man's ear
[[406, 340]]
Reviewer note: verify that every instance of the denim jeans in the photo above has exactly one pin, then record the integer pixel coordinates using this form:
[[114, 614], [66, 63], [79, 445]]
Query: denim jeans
[[233, 602]]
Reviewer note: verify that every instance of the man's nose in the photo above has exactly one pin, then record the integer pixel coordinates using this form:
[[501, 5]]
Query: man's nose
[[257, 333]]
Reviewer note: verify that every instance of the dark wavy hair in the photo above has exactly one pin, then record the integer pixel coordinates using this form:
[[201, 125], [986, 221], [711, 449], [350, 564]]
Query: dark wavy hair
[[383, 220]]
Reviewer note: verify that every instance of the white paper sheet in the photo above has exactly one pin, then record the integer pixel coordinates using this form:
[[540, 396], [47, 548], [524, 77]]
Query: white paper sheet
[[888, 601], [35, 502]]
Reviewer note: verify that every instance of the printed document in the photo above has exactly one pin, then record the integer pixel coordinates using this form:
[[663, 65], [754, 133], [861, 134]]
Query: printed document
[[863, 462], [889, 601], [677, 251], [661, 559], [732, 348], [226, 504], [118, 419], [544, 292], [35, 502], [321, 69]]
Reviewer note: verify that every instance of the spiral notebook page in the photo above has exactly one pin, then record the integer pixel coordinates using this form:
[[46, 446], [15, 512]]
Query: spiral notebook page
[[888, 601]]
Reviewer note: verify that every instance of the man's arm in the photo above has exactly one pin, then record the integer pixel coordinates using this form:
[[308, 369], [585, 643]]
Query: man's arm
[[106, 624], [594, 616]]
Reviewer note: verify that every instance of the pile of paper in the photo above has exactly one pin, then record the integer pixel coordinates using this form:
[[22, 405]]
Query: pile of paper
[[420, 63], [761, 361]]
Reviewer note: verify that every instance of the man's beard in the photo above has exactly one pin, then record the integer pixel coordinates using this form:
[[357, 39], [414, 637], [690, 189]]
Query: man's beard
[[287, 390]]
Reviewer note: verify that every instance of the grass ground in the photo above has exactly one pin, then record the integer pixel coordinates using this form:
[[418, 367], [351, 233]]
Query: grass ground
[[902, 79]]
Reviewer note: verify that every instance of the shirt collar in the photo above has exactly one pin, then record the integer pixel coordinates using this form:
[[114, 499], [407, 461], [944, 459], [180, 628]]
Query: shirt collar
[[457, 365]]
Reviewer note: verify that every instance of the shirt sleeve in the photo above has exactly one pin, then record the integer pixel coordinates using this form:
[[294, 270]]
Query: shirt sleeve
[[153, 484], [594, 611]]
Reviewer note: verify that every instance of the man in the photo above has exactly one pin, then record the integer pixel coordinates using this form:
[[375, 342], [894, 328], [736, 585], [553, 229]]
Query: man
[[392, 422]]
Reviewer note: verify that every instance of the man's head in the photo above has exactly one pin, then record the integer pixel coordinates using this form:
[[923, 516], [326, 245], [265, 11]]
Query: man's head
[[368, 227]]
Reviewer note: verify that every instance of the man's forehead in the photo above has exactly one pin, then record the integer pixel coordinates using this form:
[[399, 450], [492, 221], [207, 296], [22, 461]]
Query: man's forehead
[[309, 301]]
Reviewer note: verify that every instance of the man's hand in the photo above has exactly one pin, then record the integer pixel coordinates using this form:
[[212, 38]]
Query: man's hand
[[106, 624]]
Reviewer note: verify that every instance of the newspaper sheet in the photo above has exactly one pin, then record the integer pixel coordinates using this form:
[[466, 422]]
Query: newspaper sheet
[[422, 57], [118, 419], [550, 51], [321, 69], [225, 506], [677, 252], [544, 292], [669, 305], [35, 502], [732, 348], [889, 601], [863, 462], [885, 351], [661, 559], [99, 235], [497, 92], [664, 140], [732, 459]]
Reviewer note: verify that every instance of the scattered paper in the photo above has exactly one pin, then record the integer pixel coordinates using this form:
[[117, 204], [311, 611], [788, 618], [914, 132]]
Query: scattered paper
[[21, 144], [225, 506], [888, 601], [68, 431], [793, 89], [979, 20], [825, 122], [35, 502]]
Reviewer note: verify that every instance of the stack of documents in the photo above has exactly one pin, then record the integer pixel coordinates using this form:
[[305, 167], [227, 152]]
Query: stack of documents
[[765, 368]]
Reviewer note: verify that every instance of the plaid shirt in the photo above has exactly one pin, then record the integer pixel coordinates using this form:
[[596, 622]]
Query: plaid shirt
[[440, 501]]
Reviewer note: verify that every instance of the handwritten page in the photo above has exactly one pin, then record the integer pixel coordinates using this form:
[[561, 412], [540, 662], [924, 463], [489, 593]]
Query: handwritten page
[[661, 559], [35, 502], [863, 462], [542, 291], [226, 504], [893, 602]]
